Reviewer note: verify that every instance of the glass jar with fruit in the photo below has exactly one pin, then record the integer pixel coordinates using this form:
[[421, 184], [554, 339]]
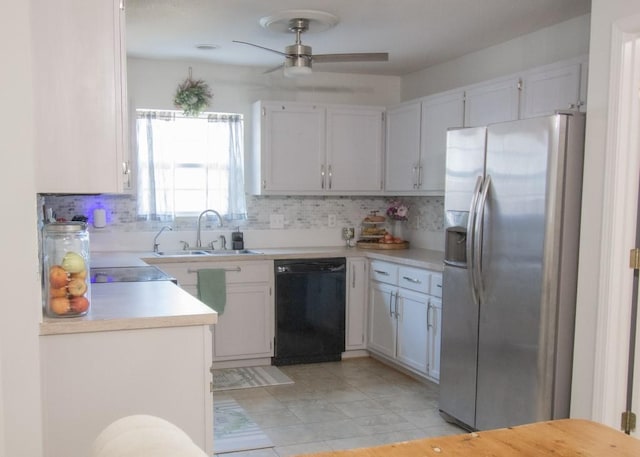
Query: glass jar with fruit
[[67, 287]]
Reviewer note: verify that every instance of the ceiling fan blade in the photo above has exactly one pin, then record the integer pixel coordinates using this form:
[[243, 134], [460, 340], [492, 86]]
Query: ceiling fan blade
[[261, 47], [271, 70], [355, 57]]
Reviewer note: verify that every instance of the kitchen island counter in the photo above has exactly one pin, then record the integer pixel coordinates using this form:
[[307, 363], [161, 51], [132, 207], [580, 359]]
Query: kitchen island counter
[[134, 305]]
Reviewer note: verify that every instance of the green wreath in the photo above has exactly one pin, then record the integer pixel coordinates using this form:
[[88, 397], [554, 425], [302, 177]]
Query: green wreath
[[192, 96]]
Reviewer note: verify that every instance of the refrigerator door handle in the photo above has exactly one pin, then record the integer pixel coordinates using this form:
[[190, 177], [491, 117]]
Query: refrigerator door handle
[[477, 255], [470, 239]]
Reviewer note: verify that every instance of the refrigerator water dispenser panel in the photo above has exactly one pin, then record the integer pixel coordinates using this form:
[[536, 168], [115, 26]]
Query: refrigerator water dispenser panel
[[455, 248]]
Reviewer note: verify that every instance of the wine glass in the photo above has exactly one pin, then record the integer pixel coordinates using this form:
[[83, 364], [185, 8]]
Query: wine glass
[[348, 233]]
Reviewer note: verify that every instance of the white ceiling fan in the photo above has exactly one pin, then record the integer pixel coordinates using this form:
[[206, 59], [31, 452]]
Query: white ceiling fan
[[299, 57]]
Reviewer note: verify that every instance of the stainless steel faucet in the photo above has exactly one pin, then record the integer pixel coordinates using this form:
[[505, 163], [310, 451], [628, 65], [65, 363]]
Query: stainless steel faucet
[[155, 238], [198, 240]]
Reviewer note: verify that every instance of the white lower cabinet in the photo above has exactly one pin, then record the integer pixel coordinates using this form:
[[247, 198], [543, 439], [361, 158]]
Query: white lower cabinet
[[434, 319], [90, 380], [411, 315], [245, 330], [356, 318], [402, 316], [383, 326]]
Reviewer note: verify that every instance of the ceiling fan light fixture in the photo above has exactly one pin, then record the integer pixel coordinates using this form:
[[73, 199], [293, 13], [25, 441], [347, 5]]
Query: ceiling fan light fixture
[[297, 66]]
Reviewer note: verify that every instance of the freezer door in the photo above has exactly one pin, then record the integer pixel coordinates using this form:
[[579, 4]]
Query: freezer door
[[465, 169], [516, 311], [458, 352]]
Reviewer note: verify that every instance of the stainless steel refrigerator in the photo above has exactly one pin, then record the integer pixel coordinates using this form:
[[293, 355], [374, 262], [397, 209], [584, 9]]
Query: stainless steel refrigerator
[[512, 216]]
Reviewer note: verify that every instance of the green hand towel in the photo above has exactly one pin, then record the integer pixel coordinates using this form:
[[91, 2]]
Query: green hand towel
[[211, 289]]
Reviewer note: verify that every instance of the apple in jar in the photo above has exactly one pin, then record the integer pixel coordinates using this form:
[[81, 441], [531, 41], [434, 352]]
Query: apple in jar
[[60, 305], [58, 293], [79, 304], [58, 277]]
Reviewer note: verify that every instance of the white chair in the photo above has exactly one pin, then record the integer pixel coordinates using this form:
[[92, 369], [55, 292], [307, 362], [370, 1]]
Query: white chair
[[144, 436]]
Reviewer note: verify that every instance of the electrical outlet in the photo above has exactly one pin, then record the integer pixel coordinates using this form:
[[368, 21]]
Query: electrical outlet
[[331, 220], [276, 221]]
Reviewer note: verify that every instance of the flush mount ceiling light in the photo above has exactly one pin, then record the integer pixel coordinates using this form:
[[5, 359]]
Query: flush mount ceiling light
[[299, 57], [207, 47]]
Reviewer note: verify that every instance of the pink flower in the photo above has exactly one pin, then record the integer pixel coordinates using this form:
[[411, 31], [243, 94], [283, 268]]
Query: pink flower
[[398, 211]]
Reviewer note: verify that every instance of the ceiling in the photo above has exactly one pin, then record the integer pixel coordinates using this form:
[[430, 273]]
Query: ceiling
[[415, 33]]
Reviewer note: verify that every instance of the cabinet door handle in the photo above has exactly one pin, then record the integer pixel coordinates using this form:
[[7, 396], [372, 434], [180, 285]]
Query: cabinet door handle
[[322, 176], [353, 278], [195, 270], [413, 280], [429, 315], [396, 307], [415, 179], [380, 272], [330, 176], [391, 304], [419, 176]]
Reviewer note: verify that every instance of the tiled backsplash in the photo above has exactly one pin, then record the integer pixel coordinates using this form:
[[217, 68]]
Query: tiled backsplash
[[426, 214]]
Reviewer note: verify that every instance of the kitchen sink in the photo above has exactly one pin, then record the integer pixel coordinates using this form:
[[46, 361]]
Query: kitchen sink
[[182, 253], [203, 252], [233, 252]]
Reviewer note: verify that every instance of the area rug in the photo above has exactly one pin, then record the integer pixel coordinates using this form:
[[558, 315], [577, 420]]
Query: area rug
[[243, 378], [233, 429]]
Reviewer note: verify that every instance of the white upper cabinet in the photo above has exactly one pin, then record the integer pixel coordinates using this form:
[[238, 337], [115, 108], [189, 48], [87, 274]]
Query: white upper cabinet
[[354, 149], [292, 147], [550, 88], [403, 147], [417, 142], [80, 95], [493, 101], [439, 113], [314, 149]]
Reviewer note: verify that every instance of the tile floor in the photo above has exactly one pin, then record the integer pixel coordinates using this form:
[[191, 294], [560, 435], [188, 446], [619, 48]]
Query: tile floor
[[341, 405]]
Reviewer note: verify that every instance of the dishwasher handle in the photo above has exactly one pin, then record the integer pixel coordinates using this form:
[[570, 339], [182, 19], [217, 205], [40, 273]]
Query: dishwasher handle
[[311, 267]]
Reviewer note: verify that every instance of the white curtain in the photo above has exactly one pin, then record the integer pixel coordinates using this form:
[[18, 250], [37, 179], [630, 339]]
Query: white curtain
[[187, 165]]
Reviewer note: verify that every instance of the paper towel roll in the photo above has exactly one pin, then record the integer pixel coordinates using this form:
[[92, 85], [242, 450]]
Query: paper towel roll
[[99, 218]]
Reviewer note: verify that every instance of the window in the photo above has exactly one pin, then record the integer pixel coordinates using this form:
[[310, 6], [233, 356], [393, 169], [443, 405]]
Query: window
[[189, 164]]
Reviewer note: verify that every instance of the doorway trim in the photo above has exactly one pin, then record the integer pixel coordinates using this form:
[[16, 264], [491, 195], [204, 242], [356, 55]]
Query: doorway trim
[[620, 196]]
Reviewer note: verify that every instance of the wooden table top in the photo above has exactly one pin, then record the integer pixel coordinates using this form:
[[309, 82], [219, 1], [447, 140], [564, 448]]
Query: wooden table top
[[560, 438]]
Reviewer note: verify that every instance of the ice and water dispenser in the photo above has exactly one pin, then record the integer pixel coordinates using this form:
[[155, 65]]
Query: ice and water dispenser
[[455, 249]]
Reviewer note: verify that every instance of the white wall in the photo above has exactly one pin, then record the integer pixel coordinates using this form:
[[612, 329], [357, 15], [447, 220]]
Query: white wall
[[562, 41], [20, 408], [152, 84], [585, 374]]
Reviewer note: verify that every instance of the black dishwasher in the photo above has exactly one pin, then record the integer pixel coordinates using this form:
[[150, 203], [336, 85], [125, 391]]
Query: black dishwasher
[[310, 310]]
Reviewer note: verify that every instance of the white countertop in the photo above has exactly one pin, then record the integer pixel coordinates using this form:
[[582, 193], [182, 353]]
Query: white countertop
[[421, 258], [140, 305], [134, 305]]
